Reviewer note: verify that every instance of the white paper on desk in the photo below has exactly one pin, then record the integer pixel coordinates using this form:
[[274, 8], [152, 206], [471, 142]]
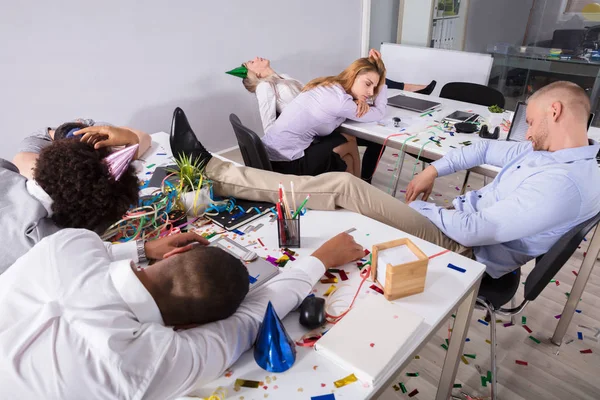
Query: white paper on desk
[[370, 338], [395, 255]]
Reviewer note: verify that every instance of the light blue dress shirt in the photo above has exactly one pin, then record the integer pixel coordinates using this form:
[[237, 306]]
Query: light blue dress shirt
[[536, 198]]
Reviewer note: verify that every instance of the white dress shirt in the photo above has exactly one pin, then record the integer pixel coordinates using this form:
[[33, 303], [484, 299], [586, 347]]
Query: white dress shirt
[[272, 99], [77, 323]]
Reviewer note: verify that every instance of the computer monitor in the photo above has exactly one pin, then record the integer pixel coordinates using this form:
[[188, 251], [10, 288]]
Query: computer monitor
[[519, 126]]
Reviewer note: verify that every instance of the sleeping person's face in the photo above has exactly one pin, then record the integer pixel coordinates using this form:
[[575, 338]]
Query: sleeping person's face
[[364, 85]]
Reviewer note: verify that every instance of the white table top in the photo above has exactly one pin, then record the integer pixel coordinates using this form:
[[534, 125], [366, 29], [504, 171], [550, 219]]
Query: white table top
[[427, 126], [444, 290]]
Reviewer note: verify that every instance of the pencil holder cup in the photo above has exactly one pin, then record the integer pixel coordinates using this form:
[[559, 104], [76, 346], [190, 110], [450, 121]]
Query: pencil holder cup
[[288, 231]]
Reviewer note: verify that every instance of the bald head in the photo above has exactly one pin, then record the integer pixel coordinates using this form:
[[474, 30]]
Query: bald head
[[557, 115], [572, 96]]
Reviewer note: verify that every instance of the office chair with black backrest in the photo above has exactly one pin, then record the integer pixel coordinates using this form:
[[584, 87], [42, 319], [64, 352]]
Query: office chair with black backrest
[[567, 39], [472, 93], [494, 293], [252, 148]]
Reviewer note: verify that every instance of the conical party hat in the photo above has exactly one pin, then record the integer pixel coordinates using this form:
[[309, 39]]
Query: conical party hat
[[274, 351], [119, 161], [240, 72]]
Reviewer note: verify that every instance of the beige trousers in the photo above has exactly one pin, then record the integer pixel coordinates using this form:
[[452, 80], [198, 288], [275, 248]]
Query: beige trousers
[[327, 191]]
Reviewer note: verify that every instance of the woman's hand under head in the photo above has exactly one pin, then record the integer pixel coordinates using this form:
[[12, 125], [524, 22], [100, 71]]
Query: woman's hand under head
[[261, 67]]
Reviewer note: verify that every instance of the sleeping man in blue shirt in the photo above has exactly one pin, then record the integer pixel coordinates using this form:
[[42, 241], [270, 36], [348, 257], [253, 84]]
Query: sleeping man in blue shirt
[[547, 185]]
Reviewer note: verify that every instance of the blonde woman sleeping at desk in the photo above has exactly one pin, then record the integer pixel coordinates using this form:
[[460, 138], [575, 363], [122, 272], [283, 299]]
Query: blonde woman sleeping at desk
[[316, 115]]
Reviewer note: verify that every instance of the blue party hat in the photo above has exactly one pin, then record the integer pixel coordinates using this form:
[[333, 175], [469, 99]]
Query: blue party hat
[[274, 351]]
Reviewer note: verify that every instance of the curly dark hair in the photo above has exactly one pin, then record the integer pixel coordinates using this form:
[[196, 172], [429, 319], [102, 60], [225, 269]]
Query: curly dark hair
[[84, 193]]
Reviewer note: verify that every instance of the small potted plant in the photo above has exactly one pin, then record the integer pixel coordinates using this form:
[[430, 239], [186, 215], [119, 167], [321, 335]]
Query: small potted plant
[[194, 190]]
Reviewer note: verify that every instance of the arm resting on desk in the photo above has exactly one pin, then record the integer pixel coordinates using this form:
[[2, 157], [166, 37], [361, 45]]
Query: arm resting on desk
[[376, 112], [199, 355], [490, 152], [537, 205]]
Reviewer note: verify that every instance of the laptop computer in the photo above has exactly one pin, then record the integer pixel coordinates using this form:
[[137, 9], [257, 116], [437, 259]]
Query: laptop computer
[[519, 126], [412, 103]]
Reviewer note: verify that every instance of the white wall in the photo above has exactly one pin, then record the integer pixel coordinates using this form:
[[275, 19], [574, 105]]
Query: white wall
[[384, 22], [131, 63], [491, 22], [547, 16]]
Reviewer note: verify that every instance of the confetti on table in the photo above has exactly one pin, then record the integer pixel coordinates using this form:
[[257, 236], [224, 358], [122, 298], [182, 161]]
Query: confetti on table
[[483, 381], [586, 351], [482, 322], [247, 383], [457, 188], [150, 166], [506, 325], [329, 396], [403, 387], [315, 367], [454, 267], [575, 273], [473, 356], [376, 288], [444, 346], [527, 329], [417, 357], [579, 335], [534, 339], [261, 243], [329, 280], [343, 275], [489, 376], [488, 341], [521, 362], [228, 373], [457, 386], [413, 374], [523, 320], [578, 311], [464, 360], [557, 316], [413, 393], [331, 289], [345, 381], [396, 388]]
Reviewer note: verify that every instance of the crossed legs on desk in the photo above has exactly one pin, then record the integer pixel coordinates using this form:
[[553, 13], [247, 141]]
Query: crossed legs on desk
[[327, 191], [580, 282]]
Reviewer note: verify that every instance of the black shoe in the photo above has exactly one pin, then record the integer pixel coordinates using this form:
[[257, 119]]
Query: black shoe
[[427, 89], [184, 141]]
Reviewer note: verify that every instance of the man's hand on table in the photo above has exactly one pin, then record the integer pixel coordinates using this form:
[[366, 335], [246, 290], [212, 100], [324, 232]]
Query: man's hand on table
[[339, 250], [173, 244], [422, 183]]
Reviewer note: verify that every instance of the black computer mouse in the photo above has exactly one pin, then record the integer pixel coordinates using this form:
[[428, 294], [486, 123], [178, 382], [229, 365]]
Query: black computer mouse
[[312, 312]]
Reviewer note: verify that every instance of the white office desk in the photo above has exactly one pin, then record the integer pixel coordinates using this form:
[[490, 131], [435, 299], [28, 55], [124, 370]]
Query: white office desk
[[446, 290]]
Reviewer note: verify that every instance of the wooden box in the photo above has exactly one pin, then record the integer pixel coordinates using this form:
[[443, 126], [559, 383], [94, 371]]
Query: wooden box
[[402, 279]]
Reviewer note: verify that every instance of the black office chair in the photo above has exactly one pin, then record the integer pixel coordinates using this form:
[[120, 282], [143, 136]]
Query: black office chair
[[252, 148], [568, 39], [494, 293], [472, 93]]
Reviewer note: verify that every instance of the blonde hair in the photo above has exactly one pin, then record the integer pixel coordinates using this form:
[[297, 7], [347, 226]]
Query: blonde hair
[[347, 77], [251, 82]]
